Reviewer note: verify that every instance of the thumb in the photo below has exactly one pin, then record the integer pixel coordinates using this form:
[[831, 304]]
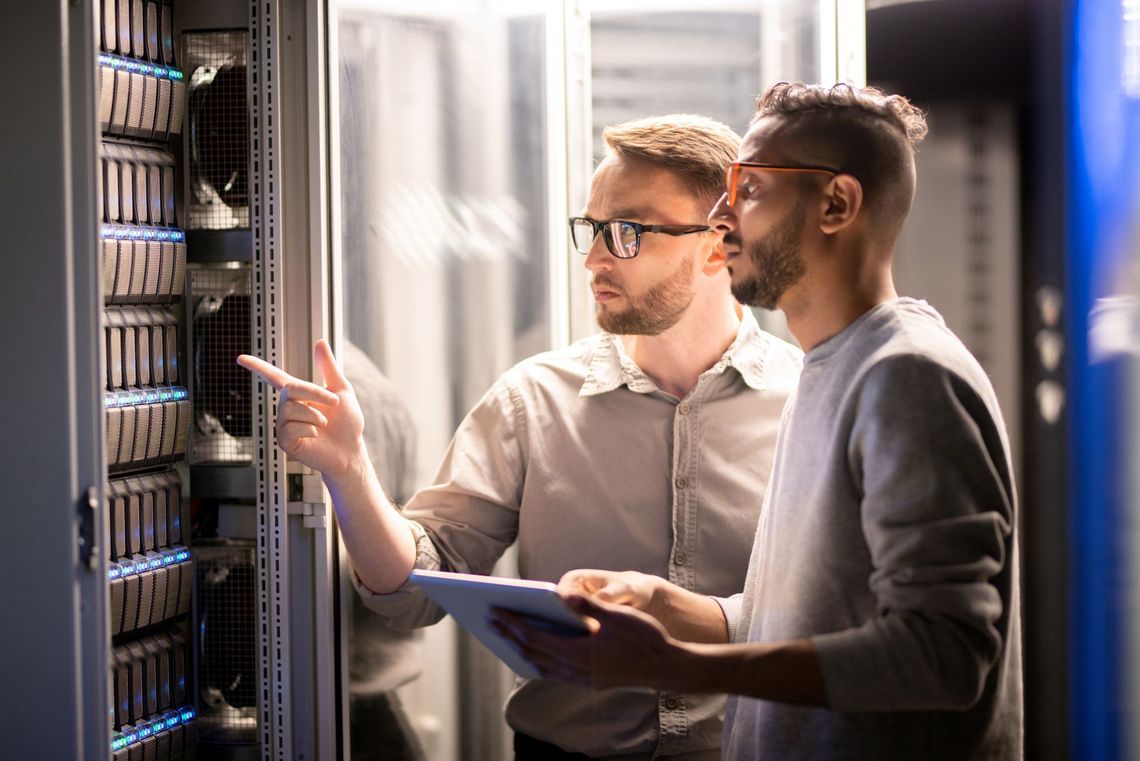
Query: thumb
[[326, 363]]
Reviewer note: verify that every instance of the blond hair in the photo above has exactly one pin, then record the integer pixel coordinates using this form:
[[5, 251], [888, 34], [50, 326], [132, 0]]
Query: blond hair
[[695, 148]]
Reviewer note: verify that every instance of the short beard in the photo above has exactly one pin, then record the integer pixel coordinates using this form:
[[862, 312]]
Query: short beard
[[776, 261], [655, 312]]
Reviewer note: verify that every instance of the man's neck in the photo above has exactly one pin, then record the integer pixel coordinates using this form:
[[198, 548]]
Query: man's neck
[[676, 358], [827, 304]]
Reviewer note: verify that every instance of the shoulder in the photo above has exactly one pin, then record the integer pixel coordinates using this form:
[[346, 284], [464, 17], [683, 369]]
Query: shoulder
[[566, 366], [913, 341], [916, 366]]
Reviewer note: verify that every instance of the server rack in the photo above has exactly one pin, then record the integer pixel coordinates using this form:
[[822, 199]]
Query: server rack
[[112, 587]]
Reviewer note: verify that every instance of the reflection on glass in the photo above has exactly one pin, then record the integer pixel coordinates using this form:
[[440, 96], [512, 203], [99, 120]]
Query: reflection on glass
[[443, 239], [649, 62]]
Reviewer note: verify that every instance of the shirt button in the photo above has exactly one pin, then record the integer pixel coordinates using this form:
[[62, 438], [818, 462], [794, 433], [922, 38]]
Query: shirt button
[[679, 558], [682, 482], [671, 703], [684, 409]]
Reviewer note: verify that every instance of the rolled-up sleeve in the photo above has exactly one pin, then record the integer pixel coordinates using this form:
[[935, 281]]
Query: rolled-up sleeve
[[465, 521], [937, 517]]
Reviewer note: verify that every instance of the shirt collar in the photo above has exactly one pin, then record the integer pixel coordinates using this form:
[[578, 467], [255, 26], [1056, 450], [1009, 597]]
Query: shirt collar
[[610, 367]]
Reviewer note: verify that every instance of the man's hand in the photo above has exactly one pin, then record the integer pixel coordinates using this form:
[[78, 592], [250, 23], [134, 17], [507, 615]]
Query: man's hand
[[624, 648], [620, 587], [320, 427], [686, 616]]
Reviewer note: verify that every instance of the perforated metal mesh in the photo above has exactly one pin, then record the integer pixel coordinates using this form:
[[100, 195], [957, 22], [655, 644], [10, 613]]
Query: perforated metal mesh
[[220, 331], [216, 64], [226, 642]]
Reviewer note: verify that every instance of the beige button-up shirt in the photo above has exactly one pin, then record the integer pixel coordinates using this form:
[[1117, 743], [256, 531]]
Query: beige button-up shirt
[[581, 459]]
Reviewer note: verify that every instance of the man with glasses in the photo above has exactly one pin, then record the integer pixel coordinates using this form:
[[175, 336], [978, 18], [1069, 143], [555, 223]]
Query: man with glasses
[[647, 446], [880, 617]]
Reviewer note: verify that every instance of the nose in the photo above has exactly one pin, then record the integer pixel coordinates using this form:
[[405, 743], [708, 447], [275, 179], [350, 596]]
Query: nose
[[599, 257], [722, 218]]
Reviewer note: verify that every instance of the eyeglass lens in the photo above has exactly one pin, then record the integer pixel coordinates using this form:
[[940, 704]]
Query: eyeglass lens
[[621, 237]]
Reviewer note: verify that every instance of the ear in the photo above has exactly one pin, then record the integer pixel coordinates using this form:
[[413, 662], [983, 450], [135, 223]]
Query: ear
[[714, 262], [843, 200]]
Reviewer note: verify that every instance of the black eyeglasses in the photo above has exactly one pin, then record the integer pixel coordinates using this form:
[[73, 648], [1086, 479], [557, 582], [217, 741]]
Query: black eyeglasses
[[623, 238]]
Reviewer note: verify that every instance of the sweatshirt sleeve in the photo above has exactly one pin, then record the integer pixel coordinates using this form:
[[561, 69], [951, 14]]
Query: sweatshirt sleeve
[[465, 521], [937, 514]]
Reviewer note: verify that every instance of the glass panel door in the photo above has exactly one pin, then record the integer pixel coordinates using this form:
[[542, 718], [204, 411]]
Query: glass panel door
[[445, 269]]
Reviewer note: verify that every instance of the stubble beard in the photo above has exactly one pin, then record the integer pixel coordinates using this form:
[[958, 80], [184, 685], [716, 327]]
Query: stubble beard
[[776, 263], [659, 309]]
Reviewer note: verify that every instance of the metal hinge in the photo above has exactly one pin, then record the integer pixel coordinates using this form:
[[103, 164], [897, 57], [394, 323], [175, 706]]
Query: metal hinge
[[88, 531], [306, 496]]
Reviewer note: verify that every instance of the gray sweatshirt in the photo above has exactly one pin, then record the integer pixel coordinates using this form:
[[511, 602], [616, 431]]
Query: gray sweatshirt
[[888, 538]]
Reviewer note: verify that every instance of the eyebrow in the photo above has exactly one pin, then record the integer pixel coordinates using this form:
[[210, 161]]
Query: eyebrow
[[628, 214]]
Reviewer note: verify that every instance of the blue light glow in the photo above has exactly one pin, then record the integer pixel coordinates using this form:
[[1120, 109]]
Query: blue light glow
[[120, 62], [120, 232]]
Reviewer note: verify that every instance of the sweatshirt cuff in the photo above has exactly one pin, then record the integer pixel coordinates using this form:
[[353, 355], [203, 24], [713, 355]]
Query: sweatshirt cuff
[[730, 607]]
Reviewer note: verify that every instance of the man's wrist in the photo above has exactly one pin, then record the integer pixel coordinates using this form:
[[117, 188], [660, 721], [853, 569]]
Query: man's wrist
[[354, 470], [658, 605]]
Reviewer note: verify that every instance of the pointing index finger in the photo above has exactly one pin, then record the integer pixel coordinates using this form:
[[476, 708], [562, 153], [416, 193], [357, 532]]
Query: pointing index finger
[[299, 390], [272, 375]]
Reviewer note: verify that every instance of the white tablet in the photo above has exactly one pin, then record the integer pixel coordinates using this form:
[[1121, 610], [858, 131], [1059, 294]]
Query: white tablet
[[470, 598]]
